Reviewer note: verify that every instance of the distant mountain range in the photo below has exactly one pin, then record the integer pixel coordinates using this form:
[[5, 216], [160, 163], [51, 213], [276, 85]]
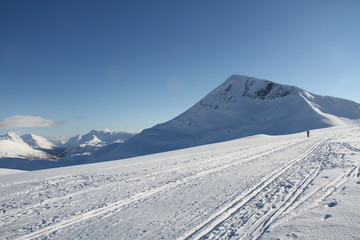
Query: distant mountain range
[[33, 147], [92, 141], [241, 106]]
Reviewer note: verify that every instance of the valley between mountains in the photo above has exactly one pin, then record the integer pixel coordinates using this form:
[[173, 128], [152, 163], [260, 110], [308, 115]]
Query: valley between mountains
[[259, 187]]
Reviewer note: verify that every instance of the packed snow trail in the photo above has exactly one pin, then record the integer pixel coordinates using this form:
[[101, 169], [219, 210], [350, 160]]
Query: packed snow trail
[[241, 189], [245, 198]]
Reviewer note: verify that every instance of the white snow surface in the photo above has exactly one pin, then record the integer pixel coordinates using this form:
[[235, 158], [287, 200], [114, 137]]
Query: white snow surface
[[5, 171], [12, 146], [259, 187]]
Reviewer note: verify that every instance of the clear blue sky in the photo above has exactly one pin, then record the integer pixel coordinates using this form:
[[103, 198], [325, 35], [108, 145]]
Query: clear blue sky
[[72, 66]]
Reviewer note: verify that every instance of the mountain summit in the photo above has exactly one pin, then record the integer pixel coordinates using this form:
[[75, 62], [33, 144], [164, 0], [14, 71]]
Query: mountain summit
[[37, 142], [241, 106]]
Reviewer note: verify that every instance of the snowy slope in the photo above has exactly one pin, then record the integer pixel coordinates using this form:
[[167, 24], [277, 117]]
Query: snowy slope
[[37, 142], [92, 141], [6, 171], [12, 146], [267, 187], [241, 106]]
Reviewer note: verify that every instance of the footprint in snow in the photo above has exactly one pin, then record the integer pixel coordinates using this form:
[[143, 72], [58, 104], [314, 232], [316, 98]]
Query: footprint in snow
[[332, 204], [293, 235]]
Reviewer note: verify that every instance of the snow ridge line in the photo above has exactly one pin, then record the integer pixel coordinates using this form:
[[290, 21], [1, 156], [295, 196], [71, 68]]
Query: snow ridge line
[[115, 206], [217, 218]]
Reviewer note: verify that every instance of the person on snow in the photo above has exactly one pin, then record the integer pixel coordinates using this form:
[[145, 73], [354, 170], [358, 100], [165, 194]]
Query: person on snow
[[308, 133]]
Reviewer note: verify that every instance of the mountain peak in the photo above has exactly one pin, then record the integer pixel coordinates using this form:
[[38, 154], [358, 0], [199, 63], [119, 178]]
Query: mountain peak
[[239, 89], [13, 137], [255, 88], [37, 142], [241, 106]]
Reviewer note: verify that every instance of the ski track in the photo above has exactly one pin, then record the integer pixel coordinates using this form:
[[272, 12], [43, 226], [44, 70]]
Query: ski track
[[239, 221], [115, 206], [244, 214], [218, 218], [141, 179]]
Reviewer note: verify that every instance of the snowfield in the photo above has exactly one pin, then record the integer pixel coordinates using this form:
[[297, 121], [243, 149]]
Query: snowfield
[[267, 187]]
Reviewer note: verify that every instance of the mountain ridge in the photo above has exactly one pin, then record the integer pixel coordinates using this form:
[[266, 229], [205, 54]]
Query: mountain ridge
[[37, 142], [13, 146], [239, 107], [90, 142]]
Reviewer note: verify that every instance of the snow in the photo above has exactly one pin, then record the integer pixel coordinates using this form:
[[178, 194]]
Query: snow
[[268, 187], [12, 146], [37, 142], [331, 119], [241, 106], [92, 141], [5, 171]]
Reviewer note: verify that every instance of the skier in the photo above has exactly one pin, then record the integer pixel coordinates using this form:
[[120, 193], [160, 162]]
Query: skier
[[308, 133]]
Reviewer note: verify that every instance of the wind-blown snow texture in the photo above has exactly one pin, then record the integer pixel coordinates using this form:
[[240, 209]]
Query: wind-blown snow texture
[[241, 106], [267, 187]]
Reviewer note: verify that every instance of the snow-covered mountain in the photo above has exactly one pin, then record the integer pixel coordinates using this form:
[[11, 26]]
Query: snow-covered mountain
[[241, 106], [92, 141], [12, 146], [37, 142]]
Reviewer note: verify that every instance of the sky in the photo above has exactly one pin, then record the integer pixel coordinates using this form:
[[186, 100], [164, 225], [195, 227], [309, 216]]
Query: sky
[[70, 66]]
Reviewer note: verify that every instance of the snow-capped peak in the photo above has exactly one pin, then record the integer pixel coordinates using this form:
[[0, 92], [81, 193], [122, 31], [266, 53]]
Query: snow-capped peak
[[12, 146], [13, 137], [106, 130], [238, 86], [92, 142], [239, 107], [37, 142]]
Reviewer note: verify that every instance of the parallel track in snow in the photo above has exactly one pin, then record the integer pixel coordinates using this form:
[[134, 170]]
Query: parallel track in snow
[[254, 225], [113, 207], [217, 163]]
